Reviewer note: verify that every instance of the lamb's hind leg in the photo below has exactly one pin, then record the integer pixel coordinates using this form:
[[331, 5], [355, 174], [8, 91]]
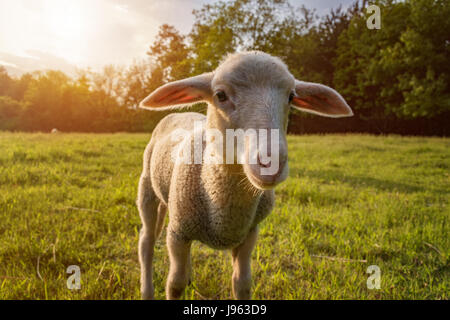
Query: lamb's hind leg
[[162, 210], [148, 209], [242, 275]]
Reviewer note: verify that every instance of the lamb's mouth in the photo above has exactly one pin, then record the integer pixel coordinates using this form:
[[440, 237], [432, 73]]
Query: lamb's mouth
[[266, 182], [260, 184]]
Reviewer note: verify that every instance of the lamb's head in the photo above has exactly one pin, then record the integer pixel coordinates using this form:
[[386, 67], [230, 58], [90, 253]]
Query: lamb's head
[[252, 93]]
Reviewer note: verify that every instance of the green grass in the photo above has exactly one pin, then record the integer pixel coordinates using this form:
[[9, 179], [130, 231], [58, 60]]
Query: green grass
[[371, 200]]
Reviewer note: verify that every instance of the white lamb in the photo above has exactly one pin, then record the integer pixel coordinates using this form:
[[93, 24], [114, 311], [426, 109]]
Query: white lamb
[[220, 204]]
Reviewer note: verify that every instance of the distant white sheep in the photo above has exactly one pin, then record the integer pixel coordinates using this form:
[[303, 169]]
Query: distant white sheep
[[221, 204], [54, 131]]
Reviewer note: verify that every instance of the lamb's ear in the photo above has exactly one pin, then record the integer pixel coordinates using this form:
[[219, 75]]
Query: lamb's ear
[[320, 99], [180, 93]]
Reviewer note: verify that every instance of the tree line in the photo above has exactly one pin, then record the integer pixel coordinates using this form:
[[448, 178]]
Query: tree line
[[396, 78]]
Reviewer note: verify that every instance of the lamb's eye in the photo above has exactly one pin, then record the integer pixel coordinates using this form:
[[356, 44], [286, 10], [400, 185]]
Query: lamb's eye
[[291, 97], [221, 96]]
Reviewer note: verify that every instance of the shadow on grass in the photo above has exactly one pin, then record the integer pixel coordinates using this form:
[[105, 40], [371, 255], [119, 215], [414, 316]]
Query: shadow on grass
[[358, 181]]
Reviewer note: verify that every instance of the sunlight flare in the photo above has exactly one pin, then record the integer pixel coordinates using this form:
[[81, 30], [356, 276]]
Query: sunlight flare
[[69, 25]]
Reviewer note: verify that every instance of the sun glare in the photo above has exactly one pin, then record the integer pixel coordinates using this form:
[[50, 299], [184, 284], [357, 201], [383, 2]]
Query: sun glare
[[68, 23]]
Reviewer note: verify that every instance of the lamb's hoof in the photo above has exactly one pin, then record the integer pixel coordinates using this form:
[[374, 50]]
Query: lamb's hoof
[[174, 293], [147, 296]]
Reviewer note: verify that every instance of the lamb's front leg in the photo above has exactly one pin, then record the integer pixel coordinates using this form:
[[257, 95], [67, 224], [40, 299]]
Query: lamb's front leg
[[179, 271], [242, 275], [147, 204]]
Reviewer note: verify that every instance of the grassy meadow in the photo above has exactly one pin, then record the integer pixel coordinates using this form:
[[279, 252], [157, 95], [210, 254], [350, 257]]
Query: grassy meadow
[[351, 201]]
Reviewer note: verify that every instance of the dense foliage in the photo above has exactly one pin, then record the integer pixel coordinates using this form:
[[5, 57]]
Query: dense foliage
[[396, 78]]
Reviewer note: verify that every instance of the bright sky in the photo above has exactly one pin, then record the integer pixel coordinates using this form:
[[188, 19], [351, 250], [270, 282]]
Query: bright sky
[[36, 34]]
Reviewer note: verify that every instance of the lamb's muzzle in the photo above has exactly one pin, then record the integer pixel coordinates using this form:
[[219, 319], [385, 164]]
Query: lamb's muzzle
[[221, 204]]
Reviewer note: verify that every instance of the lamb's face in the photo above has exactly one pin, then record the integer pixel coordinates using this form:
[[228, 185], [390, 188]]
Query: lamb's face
[[253, 92]]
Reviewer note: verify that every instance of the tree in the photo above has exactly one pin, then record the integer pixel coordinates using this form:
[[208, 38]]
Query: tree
[[10, 113], [227, 26], [170, 54], [6, 82], [402, 69], [44, 99], [420, 61]]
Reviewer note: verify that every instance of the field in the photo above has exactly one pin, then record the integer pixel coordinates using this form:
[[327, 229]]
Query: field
[[351, 201]]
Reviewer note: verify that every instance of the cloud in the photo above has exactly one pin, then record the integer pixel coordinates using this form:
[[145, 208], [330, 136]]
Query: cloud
[[322, 6], [34, 60], [140, 22], [95, 33]]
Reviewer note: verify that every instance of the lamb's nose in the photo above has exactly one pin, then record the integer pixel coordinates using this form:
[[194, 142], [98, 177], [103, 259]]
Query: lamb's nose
[[264, 164], [269, 163]]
